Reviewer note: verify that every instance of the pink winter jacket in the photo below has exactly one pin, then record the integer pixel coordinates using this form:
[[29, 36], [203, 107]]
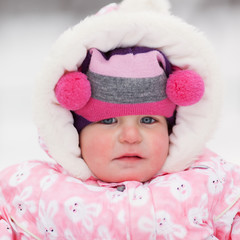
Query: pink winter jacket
[[38, 200]]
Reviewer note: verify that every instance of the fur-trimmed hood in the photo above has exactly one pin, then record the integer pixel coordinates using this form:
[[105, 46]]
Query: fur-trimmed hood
[[146, 23]]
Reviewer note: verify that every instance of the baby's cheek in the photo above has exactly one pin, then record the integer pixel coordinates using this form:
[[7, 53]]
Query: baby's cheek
[[102, 145], [161, 143], [97, 148], [160, 149]]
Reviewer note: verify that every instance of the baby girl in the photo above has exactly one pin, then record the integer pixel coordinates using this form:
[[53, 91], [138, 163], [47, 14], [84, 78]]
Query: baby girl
[[125, 106]]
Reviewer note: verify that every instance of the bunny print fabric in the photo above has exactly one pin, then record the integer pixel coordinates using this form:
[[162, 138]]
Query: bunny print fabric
[[39, 200]]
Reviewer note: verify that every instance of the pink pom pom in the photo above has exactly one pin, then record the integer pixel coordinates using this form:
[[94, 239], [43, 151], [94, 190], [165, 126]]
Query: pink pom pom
[[185, 87], [73, 90]]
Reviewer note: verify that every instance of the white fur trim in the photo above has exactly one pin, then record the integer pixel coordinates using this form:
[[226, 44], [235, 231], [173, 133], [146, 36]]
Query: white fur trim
[[183, 45]]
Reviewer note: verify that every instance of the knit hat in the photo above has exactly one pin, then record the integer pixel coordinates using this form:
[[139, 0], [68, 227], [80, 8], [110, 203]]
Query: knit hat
[[126, 81]]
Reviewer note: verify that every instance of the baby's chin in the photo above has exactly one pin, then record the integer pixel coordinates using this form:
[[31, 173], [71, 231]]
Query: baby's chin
[[123, 178]]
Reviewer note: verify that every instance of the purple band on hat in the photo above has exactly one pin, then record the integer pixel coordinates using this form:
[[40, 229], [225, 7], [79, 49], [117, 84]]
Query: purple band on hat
[[79, 121]]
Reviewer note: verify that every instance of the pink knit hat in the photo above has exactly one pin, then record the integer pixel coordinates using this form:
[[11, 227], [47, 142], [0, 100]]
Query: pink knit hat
[[126, 81]]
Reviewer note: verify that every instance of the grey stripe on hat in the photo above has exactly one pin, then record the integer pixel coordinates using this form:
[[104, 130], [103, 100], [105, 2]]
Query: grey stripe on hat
[[127, 90]]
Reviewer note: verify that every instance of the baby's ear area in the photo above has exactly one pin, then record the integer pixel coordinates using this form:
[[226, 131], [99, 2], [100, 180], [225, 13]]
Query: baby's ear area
[[73, 90], [185, 87]]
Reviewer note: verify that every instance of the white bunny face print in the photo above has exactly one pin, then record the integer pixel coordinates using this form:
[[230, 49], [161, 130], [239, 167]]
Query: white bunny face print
[[139, 196], [22, 203], [215, 183], [216, 180], [197, 215], [221, 162], [167, 228], [79, 211], [164, 227], [21, 174], [216, 176], [180, 188], [115, 196], [48, 181], [45, 222]]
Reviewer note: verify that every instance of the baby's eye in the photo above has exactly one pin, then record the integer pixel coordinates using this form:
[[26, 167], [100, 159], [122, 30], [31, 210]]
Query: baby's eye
[[148, 120], [109, 121]]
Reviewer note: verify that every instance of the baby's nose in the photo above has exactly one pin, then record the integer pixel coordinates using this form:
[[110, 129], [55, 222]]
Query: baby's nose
[[130, 134]]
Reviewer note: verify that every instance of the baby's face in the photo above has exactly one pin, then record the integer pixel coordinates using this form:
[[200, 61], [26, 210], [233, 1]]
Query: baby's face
[[125, 148]]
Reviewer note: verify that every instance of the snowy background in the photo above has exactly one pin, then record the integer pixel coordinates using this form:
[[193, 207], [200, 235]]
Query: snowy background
[[28, 28]]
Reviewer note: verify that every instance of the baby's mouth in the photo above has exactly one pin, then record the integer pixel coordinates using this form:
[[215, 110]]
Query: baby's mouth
[[129, 157]]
